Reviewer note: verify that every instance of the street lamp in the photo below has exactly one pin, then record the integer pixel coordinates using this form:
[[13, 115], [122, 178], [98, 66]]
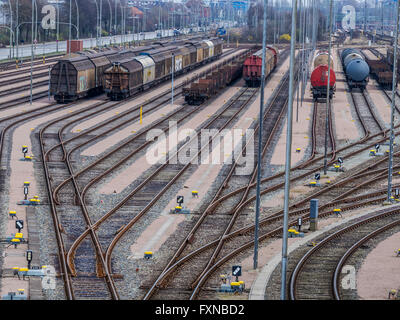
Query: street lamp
[[11, 28], [97, 23], [33, 18]]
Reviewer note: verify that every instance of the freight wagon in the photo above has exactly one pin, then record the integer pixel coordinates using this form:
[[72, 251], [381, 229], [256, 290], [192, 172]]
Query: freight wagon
[[252, 68], [207, 86], [82, 74], [319, 76], [355, 68], [129, 76], [381, 70]]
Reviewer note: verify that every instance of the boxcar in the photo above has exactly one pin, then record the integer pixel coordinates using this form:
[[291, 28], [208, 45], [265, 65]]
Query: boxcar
[[160, 57], [217, 46], [148, 67], [122, 78], [192, 53], [72, 78]]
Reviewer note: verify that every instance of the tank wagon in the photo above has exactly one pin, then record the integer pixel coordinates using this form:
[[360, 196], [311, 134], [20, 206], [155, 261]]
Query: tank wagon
[[252, 68], [129, 76], [319, 77], [208, 85], [322, 58], [82, 74], [355, 68]]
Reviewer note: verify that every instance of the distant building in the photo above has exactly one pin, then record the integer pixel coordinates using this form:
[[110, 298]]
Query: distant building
[[136, 12]]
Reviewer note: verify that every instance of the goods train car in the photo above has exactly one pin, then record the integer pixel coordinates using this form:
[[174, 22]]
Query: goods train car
[[199, 91], [381, 70], [252, 68], [129, 76], [355, 68], [319, 76], [322, 58], [82, 74]]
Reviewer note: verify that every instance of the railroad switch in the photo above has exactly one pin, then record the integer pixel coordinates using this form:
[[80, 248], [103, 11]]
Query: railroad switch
[[26, 272], [237, 287], [314, 184], [12, 214], [397, 253], [298, 150], [148, 255], [27, 158], [195, 194], [15, 296], [338, 212], [180, 210], [293, 233], [338, 168], [35, 201], [15, 242], [372, 152], [226, 288]]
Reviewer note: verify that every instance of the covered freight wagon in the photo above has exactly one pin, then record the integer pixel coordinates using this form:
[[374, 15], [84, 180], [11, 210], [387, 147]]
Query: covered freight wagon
[[122, 78], [72, 78]]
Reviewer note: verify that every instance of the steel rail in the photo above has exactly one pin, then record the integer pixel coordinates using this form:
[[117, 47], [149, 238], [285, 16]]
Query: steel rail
[[300, 265]]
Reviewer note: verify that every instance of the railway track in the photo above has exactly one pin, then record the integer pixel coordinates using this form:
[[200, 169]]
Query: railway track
[[317, 274], [224, 224], [77, 249], [367, 114], [37, 62], [318, 131], [244, 231], [87, 284], [17, 101], [51, 154], [23, 88], [22, 79]]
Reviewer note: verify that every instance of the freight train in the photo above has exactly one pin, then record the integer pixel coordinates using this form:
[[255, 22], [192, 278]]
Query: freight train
[[381, 70], [126, 77], [319, 76], [221, 76], [355, 68], [86, 74], [252, 68]]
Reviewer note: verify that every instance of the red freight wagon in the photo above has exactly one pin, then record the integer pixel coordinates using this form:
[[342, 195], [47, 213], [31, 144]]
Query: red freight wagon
[[319, 82], [252, 68]]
